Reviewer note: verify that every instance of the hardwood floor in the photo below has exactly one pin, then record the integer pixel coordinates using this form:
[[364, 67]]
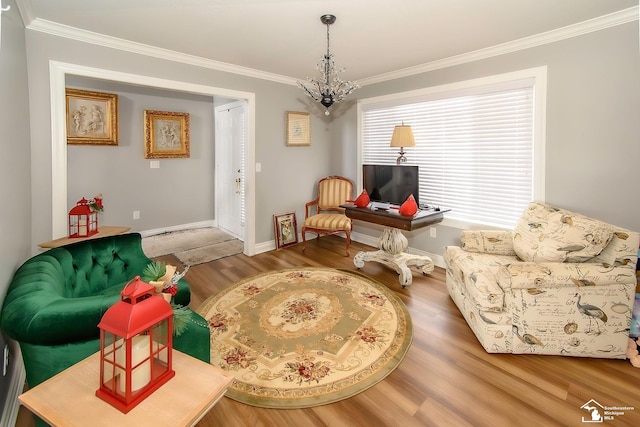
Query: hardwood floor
[[446, 378]]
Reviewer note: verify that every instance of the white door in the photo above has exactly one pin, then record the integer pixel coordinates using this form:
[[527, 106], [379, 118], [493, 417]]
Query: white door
[[231, 131]]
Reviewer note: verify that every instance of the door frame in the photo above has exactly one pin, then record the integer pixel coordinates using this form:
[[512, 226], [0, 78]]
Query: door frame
[[57, 77], [218, 188]]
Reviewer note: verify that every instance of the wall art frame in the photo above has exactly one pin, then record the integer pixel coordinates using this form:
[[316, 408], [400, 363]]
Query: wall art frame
[[166, 135], [298, 129], [92, 117], [286, 230]]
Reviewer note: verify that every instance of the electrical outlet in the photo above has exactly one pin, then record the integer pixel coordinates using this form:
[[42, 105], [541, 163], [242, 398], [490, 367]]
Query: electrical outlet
[[136, 214], [432, 232], [5, 359]]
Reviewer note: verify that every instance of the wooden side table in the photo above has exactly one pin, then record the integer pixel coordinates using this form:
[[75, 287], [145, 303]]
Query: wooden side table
[[69, 398], [392, 243], [103, 231]]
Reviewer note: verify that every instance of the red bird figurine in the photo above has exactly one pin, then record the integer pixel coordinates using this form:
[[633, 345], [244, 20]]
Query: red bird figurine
[[409, 207], [363, 200]]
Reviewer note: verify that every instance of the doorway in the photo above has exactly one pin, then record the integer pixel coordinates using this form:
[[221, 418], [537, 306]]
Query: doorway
[[230, 140], [58, 71]]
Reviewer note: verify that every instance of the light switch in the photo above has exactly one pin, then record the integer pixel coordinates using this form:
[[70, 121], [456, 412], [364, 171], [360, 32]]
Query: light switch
[[258, 167], [154, 164]]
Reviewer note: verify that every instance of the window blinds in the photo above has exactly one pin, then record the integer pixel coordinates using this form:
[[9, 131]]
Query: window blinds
[[474, 149]]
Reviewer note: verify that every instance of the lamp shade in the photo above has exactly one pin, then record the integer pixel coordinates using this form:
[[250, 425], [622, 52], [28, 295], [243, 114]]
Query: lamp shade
[[402, 137]]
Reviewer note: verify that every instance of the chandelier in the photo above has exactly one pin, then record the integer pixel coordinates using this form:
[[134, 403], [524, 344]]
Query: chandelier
[[329, 88]]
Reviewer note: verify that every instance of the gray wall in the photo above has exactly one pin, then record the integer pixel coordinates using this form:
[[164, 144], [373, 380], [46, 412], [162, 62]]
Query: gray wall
[[180, 192], [15, 210], [593, 125], [275, 189]]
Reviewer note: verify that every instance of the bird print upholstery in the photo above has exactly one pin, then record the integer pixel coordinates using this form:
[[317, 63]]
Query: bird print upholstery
[[546, 307]]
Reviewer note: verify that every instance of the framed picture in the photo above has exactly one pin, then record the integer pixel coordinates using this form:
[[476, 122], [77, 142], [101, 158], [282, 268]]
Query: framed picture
[[286, 229], [166, 135], [92, 117], [298, 128]]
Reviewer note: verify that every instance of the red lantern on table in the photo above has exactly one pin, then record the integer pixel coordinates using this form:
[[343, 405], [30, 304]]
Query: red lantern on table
[[83, 221], [135, 346]]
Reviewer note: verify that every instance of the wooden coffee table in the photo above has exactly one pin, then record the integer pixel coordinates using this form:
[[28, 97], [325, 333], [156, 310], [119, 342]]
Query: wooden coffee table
[[69, 398]]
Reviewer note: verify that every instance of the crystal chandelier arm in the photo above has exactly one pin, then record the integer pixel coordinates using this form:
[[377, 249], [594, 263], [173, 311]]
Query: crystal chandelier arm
[[308, 92]]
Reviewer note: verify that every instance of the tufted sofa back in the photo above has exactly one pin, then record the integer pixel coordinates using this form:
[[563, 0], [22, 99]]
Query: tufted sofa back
[[59, 296], [99, 264]]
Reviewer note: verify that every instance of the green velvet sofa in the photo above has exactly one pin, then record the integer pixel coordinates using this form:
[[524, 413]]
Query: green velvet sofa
[[57, 298]]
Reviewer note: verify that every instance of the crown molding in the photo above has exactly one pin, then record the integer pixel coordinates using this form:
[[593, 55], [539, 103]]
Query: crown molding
[[53, 28], [596, 24]]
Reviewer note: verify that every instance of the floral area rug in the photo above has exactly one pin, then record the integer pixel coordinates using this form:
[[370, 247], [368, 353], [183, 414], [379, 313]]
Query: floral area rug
[[305, 337]]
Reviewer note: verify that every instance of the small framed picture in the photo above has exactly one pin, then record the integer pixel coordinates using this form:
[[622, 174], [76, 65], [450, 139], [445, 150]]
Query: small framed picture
[[286, 229], [298, 128], [166, 135], [92, 117]]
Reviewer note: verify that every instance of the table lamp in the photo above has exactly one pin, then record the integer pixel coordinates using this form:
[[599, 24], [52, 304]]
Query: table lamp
[[402, 137]]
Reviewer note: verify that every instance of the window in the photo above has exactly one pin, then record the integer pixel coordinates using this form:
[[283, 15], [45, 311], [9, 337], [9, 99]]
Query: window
[[479, 144]]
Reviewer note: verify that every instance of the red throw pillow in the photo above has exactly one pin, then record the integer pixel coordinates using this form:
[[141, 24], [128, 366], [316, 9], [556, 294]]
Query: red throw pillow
[[409, 207], [363, 200]]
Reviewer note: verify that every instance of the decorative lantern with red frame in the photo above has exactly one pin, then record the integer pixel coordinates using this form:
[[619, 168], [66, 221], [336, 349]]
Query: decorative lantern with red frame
[[135, 346], [83, 221]]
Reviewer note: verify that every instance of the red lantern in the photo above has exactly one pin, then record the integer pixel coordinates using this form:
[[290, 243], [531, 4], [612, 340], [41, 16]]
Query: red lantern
[[135, 346], [83, 222]]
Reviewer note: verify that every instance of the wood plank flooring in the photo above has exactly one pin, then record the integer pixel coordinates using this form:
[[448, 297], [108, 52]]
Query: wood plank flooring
[[446, 378]]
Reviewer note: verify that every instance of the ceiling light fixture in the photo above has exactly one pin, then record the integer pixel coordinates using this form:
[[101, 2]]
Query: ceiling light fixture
[[329, 88]]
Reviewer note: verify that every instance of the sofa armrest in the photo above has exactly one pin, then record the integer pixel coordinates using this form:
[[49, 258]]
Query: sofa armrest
[[497, 242], [527, 275]]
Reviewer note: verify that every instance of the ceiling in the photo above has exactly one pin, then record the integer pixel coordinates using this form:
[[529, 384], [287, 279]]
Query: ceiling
[[285, 37]]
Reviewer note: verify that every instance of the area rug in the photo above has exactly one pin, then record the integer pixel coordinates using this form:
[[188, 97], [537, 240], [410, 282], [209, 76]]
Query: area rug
[[305, 337], [193, 246]]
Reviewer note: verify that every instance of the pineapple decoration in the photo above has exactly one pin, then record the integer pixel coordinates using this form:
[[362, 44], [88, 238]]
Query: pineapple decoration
[[164, 279]]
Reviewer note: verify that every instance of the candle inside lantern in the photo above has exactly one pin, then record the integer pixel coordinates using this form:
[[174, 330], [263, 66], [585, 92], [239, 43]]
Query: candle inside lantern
[[82, 230], [141, 375]]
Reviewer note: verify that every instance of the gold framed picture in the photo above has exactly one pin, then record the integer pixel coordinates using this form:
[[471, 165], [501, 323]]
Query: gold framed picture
[[286, 229], [166, 135], [92, 117], [298, 128]]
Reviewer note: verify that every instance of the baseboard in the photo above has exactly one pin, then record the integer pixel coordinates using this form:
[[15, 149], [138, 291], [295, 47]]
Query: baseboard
[[12, 405], [180, 227], [265, 247]]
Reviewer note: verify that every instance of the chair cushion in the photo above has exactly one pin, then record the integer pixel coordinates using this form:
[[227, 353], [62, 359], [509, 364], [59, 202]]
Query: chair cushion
[[618, 250], [545, 233], [327, 221]]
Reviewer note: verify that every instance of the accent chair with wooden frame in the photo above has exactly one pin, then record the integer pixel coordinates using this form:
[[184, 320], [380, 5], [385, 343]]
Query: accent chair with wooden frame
[[329, 217]]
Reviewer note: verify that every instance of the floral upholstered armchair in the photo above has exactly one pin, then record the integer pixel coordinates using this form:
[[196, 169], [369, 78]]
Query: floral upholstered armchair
[[559, 283]]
